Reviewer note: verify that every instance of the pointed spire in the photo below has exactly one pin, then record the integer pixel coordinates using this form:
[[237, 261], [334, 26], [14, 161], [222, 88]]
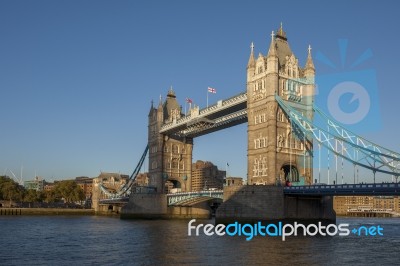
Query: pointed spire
[[252, 62], [160, 103], [151, 108], [281, 34], [171, 93], [272, 48], [309, 63]]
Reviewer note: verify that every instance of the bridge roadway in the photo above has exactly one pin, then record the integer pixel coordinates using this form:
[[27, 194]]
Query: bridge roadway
[[377, 189], [191, 198]]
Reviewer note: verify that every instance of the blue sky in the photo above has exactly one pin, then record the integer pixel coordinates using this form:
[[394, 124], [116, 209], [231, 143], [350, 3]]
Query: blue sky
[[77, 77]]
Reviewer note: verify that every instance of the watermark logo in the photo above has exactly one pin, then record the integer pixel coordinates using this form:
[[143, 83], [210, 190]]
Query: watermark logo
[[348, 95], [249, 231], [358, 93]]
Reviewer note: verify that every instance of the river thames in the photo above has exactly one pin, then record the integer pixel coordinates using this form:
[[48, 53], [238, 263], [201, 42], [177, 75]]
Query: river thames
[[99, 240]]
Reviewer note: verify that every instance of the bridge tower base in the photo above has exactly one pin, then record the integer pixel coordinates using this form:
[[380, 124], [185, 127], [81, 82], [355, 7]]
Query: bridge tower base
[[154, 206], [249, 204], [143, 205]]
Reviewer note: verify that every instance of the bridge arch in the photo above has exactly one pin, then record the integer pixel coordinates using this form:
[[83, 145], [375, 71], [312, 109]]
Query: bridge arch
[[175, 183], [290, 172]]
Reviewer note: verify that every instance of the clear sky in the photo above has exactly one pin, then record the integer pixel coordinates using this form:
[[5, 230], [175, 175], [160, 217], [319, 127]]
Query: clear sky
[[77, 77]]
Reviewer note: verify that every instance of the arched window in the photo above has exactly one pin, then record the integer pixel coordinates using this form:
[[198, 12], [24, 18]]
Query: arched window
[[174, 164], [264, 167], [175, 148], [256, 167]]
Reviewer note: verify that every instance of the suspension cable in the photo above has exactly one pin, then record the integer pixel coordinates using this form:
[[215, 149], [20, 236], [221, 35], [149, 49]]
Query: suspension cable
[[319, 163], [328, 158], [336, 162]]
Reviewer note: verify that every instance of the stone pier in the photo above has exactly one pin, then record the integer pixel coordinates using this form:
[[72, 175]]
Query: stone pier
[[248, 204], [154, 206]]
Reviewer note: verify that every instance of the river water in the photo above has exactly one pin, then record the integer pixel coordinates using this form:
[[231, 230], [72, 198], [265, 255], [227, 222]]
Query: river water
[[98, 240]]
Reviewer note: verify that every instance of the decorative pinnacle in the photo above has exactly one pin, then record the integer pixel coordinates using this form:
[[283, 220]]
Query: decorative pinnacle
[[309, 63], [171, 92], [281, 29], [281, 33], [251, 62], [272, 50]]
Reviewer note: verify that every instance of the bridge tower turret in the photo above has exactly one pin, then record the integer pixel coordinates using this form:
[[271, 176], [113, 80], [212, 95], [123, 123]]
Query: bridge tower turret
[[251, 65], [309, 75], [170, 157], [155, 143], [275, 154]]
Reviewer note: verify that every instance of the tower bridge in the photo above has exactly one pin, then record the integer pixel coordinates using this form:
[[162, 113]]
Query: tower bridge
[[278, 107]]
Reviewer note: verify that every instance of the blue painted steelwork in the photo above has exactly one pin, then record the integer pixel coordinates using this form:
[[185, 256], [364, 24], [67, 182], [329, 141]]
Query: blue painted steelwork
[[188, 198], [383, 189], [126, 188], [342, 142]]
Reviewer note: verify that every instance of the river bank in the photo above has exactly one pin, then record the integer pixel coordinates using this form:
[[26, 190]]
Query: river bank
[[45, 211]]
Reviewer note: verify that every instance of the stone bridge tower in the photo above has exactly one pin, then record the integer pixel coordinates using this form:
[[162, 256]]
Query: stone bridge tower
[[276, 154], [170, 158]]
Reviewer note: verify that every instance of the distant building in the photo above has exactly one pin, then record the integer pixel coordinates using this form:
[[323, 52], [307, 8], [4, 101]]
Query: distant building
[[35, 184], [206, 175], [86, 184], [234, 181], [142, 180], [112, 181], [352, 205], [48, 186]]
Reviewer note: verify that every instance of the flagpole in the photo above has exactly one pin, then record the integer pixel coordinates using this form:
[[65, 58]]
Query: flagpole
[[207, 97], [185, 106]]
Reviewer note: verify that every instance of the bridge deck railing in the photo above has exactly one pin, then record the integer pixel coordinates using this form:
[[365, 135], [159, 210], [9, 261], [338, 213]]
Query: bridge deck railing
[[174, 198], [345, 186], [383, 189], [203, 112]]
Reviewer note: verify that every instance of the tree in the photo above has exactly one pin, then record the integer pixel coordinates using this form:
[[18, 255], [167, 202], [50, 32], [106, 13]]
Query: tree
[[50, 196], [30, 196], [10, 190], [69, 191]]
